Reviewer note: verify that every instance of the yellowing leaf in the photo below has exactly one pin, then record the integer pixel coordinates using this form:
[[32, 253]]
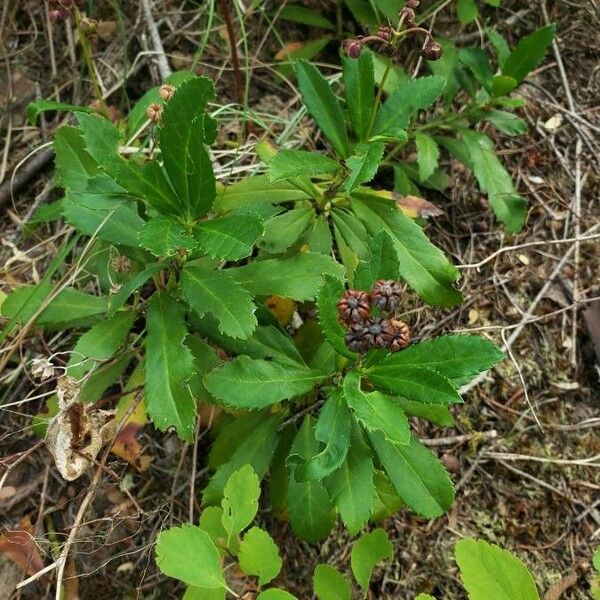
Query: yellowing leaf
[[282, 308]]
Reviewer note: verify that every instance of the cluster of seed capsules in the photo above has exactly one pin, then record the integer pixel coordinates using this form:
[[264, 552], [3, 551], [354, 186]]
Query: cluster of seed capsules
[[365, 330]]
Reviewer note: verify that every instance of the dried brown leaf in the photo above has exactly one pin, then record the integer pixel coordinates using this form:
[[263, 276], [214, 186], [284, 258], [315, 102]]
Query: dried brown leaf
[[20, 546]]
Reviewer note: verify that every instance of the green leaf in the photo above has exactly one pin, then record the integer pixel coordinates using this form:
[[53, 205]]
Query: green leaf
[[323, 106], [376, 411], [456, 357], [147, 182], [528, 53], [417, 475], [476, 60], [428, 155], [502, 85], [99, 343], [306, 16], [211, 520], [169, 366], [164, 236], [240, 501], [106, 375], [330, 584], [506, 122], [231, 237], [250, 383], [275, 594], [327, 298], [351, 486], [319, 237], [309, 507], [182, 143], [259, 556], [367, 552], [363, 164], [386, 501], [254, 191], [287, 164], [215, 292], [353, 232], [119, 298], [196, 593], [36, 108], [359, 83], [187, 553], [493, 178], [363, 11], [103, 210], [491, 572], [382, 262], [467, 11], [500, 46], [74, 166], [255, 448], [67, 306], [416, 94], [421, 264], [436, 413], [420, 384], [422, 597], [283, 231], [298, 277], [333, 429]]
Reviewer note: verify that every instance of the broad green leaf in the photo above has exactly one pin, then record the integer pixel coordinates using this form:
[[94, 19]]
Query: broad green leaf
[[376, 411], [182, 143], [414, 95], [359, 83], [306, 16], [382, 262], [351, 486], [187, 553], [386, 501], [164, 236], [283, 231], [228, 436], [252, 383], [319, 236], [74, 166], [420, 384], [502, 85], [363, 164], [287, 164], [275, 594], [506, 122], [467, 11], [367, 552], [211, 520], [327, 298], [353, 232], [500, 45], [169, 366], [363, 11], [421, 264], [488, 571], [476, 60], [528, 53], [422, 597], [146, 181], [240, 501], [215, 292], [330, 584], [436, 413], [36, 108], [493, 178], [99, 343], [428, 155], [230, 237], [333, 430], [254, 191], [116, 300], [388, 8], [323, 106], [307, 51], [67, 306], [310, 509], [417, 475], [456, 357], [259, 555], [255, 447], [298, 277], [196, 593], [106, 375], [102, 209]]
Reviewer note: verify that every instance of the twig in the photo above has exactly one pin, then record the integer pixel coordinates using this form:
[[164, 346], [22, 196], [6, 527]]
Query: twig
[[239, 82], [460, 439], [161, 58]]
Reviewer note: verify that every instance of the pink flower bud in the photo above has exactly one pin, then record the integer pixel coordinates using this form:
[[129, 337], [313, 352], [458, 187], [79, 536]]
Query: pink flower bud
[[432, 51], [352, 47], [385, 33]]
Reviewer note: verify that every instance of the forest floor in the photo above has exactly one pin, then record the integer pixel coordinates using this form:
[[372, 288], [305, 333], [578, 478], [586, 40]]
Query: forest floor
[[524, 453]]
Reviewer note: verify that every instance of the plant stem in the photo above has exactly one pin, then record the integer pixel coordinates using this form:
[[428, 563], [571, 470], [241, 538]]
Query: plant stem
[[378, 98], [237, 73]]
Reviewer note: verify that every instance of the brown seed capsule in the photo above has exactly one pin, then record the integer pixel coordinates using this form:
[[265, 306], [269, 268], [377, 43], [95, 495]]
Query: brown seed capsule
[[355, 337], [432, 51], [386, 295], [401, 336], [352, 47], [354, 306], [380, 333], [154, 112], [166, 92]]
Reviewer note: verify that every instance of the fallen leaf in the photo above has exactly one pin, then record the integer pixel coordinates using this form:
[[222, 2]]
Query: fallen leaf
[[106, 30], [554, 122], [414, 206], [288, 49], [282, 308], [473, 316], [20, 546]]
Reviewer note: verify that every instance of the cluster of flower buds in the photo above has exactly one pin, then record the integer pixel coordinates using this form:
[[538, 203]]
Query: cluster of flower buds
[[365, 331], [154, 111], [389, 38], [60, 10]]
